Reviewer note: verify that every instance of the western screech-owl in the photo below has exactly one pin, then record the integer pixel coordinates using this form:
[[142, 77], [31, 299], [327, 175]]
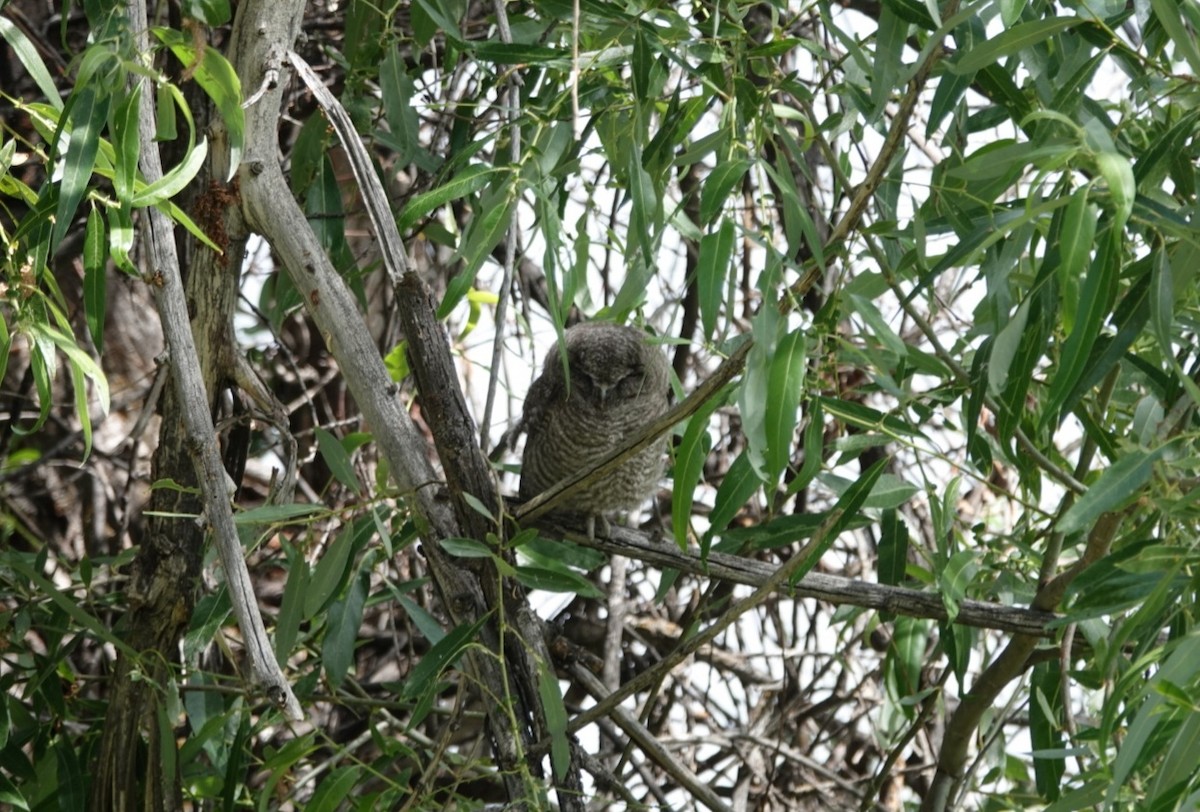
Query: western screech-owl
[[618, 384]]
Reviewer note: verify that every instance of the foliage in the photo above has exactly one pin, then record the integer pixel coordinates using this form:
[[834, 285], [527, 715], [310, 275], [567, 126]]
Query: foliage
[[956, 246]]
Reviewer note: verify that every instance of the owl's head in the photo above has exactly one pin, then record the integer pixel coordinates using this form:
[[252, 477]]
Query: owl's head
[[610, 364]]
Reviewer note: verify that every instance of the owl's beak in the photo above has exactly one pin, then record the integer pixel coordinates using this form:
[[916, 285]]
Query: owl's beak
[[604, 395]]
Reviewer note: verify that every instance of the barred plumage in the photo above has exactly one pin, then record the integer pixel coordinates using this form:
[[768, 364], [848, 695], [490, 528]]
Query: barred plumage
[[618, 384]]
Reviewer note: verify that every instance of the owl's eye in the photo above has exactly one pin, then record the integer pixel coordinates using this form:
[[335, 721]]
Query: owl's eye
[[631, 385]]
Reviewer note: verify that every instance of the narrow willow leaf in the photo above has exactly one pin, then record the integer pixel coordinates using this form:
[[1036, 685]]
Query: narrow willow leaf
[[1045, 727], [291, 608], [1011, 41], [1075, 242], [752, 395], [717, 186], [338, 459], [946, 96], [482, 236], [398, 89], [1180, 667], [466, 548], [905, 659], [95, 280], [889, 49], [893, 548], [954, 580], [467, 182], [27, 53], [784, 385], [1119, 483], [1005, 347], [846, 508], [712, 265], [1168, 16], [1010, 11], [220, 81], [126, 145], [120, 239], [333, 568], [341, 631], [1162, 319], [689, 467], [443, 16], [557, 580], [736, 488], [443, 654], [813, 449], [1096, 299], [88, 116], [516, 53], [173, 181], [1122, 188], [645, 211], [555, 712]]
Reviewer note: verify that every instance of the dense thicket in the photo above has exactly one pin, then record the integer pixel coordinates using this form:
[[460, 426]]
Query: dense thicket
[[275, 279]]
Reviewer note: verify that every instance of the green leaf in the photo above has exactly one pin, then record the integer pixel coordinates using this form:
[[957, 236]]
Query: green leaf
[[1011, 41], [335, 788], [689, 468], [212, 13], [338, 459], [27, 53], [890, 491], [466, 548], [341, 631], [398, 90], [905, 659], [1076, 239], [1119, 484], [484, 234], [717, 187], [868, 419], [173, 182], [1122, 187], [889, 56], [893, 548], [712, 265], [291, 609], [1168, 15], [557, 580], [443, 654], [95, 278], [88, 115], [82, 368], [737, 486], [1180, 667], [127, 145], [846, 509], [220, 81], [72, 605], [1095, 305], [954, 580], [555, 712], [1005, 347], [515, 53], [440, 16], [784, 385], [333, 569], [1045, 711], [1010, 11]]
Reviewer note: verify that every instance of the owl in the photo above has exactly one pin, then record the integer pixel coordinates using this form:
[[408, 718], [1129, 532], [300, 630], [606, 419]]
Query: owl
[[617, 384]]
